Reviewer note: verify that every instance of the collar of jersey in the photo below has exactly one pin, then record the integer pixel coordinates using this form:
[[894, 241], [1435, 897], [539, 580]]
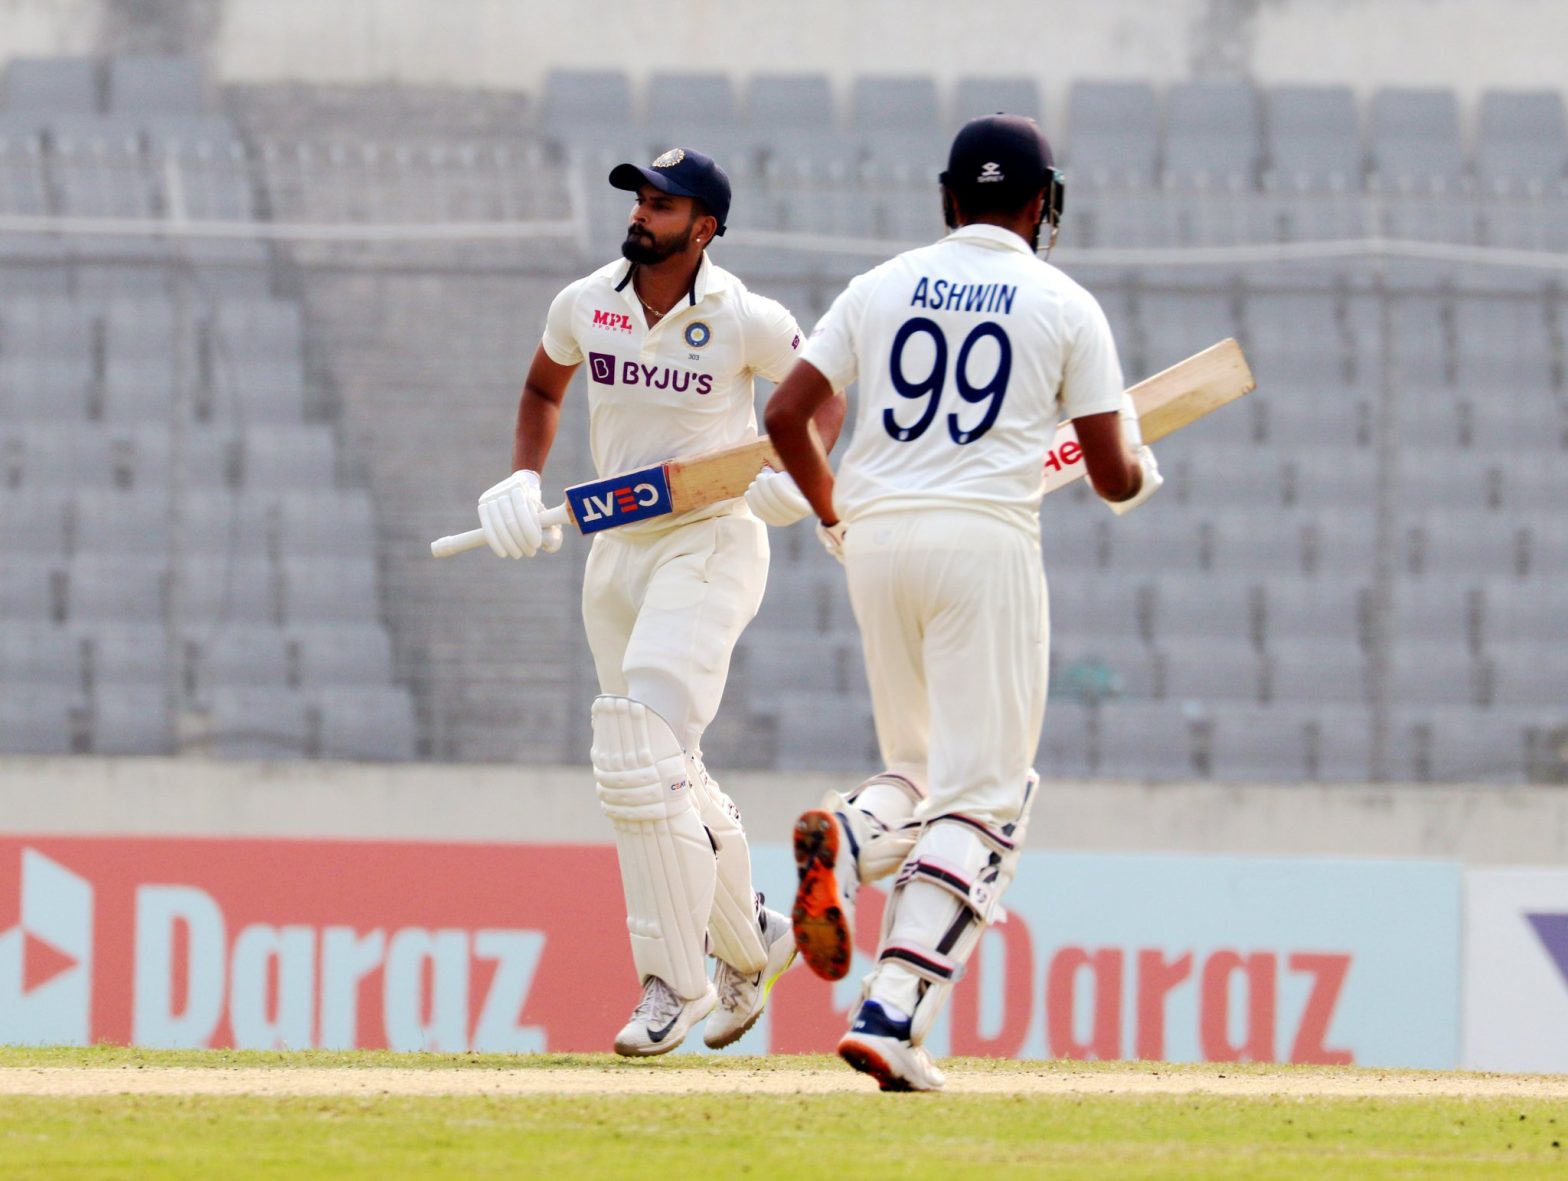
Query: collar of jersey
[[994, 235], [709, 280]]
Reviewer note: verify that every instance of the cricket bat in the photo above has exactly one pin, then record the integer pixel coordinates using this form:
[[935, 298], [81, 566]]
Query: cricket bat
[[1171, 399], [666, 489], [1166, 402]]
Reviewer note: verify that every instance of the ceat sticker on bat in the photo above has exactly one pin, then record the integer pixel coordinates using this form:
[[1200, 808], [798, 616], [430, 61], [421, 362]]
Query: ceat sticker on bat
[[620, 500]]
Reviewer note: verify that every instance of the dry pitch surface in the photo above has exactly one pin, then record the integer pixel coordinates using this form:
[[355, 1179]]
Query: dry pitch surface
[[579, 1076]]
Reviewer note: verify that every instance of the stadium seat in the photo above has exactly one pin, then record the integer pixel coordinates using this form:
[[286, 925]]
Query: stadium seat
[[823, 732], [1142, 740], [1415, 138], [1089, 667], [368, 723], [1196, 606], [1313, 138], [119, 588], [317, 590], [1112, 133], [1296, 609], [894, 121], [342, 653], [1263, 743], [250, 722], [588, 114], [1210, 669], [321, 524], [1520, 139], [227, 588], [37, 719], [33, 525], [1525, 674], [132, 720], [133, 522], [239, 654], [51, 85], [1326, 668], [1457, 743], [128, 654], [39, 653], [145, 86], [699, 111], [1435, 671], [994, 94], [1212, 137], [792, 119]]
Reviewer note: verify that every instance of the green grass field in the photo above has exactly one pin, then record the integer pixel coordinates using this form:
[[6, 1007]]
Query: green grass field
[[735, 1132]]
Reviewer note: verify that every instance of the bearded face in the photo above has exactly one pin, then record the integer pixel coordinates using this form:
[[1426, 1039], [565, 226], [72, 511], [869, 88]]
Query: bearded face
[[646, 248]]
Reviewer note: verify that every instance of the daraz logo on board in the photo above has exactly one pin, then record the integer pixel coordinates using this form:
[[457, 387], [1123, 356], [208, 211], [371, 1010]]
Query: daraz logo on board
[[46, 955], [191, 944]]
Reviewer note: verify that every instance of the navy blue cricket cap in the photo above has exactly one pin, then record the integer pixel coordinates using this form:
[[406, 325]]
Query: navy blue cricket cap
[[682, 173], [1002, 152]]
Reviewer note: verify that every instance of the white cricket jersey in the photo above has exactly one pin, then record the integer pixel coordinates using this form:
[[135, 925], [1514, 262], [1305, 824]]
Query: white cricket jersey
[[680, 388], [969, 352]]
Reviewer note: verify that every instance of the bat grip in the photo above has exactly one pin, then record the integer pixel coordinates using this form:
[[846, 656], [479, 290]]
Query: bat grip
[[457, 543]]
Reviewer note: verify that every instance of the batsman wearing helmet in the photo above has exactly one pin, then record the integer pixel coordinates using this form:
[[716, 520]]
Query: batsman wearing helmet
[[968, 353], [672, 342]]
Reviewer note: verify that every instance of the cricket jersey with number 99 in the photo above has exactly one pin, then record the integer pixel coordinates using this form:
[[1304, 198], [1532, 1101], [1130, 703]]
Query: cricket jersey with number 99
[[968, 353]]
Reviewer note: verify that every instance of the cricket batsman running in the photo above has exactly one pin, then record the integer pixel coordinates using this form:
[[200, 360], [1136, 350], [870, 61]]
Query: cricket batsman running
[[968, 352], [672, 342]]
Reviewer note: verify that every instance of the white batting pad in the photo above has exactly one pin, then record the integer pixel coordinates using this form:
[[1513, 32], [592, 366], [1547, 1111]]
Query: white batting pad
[[947, 893], [667, 861], [737, 939]]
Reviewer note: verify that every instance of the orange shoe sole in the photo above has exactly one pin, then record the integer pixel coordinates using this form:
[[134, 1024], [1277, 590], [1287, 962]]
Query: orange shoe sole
[[866, 1060], [821, 928]]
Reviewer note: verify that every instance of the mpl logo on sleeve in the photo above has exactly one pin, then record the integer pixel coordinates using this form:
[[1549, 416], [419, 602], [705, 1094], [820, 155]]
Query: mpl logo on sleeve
[[612, 321], [620, 500]]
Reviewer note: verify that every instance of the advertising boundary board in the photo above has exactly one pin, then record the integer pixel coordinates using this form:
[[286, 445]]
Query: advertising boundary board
[[445, 946]]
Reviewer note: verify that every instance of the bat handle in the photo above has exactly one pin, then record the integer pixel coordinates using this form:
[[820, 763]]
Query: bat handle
[[457, 543]]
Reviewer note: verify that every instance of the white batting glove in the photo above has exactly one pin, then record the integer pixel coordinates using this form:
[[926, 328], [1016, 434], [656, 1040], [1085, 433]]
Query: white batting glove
[[1151, 484], [509, 514], [832, 539], [777, 499]]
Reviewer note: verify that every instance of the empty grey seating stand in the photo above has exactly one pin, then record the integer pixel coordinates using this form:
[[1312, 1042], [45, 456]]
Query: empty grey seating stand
[[1314, 140], [1112, 133], [57, 85], [697, 111], [154, 84], [588, 114], [792, 120], [1415, 139], [1211, 135], [894, 121], [1520, 139], [976, 96]]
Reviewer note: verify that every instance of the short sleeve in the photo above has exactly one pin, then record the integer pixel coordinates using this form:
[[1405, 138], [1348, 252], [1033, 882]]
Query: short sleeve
[[772, 337], [1091, 373], [831, 349], [560, 341]]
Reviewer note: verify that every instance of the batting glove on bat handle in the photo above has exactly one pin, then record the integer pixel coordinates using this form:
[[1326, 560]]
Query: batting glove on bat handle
[[832, 539], [776, 499], [510, 515], [461, 543], [1151, 484]]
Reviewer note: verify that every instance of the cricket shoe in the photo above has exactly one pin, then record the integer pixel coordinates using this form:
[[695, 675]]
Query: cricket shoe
[[661, 1020], [824, 914], [742, 996], [879, 1045]]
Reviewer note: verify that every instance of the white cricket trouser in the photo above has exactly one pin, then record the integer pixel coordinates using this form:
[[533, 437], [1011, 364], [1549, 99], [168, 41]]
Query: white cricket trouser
[[954, 622], [663, 614]]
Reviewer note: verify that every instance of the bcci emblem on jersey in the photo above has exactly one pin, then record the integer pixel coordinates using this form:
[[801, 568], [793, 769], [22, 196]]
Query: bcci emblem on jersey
[[698, 334]]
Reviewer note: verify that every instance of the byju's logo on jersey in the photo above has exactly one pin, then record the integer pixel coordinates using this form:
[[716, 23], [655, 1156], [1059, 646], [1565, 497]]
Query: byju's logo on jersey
[[604, 369], [46, 956], [612, 321], [620, 500]]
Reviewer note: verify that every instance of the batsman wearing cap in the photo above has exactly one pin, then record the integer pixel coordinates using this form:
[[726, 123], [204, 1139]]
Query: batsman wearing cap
[[968, 353], [671, 342]]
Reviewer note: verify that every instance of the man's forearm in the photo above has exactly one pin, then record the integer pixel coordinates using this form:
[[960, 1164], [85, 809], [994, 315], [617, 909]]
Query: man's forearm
[[537, 418]]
